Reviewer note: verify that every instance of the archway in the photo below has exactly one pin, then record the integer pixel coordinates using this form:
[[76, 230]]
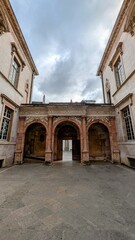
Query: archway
[[99, 143], [67, 131], [35, 141]]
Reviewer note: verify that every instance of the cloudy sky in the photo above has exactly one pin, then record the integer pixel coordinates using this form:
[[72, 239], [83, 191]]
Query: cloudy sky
[[66, 39]]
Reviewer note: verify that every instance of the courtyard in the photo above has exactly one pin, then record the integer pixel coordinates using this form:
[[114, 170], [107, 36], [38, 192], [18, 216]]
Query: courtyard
[[67, 201]]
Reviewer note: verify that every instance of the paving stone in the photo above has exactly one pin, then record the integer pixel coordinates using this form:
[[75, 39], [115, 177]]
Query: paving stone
[[67, 201]]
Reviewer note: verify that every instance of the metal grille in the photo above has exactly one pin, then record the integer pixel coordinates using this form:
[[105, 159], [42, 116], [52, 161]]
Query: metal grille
[[128, 123], [4, 133]]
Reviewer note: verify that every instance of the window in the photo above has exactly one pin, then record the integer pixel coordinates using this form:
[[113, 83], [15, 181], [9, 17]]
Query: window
[[14, 74], [128, 123], [6, 124], [118, 72]]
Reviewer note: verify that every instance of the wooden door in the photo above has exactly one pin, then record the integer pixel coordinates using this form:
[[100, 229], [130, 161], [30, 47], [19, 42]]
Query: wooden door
[[59, 149], [76, 150]]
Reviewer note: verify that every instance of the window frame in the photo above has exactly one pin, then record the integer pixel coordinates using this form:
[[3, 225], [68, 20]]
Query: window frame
[[129, 131], [118, 70], [6, 124], [16, 57], [7, 102], [118, 57], [14, 72]]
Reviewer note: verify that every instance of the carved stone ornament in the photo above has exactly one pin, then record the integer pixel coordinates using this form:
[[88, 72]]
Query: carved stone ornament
[[88, 119], [74, 119], [3, 24], [131, 26], [15, 50], [56, 119], [103, 119], [78, 119], [107, 85], [130, 23], [118, 51], [35, 119]]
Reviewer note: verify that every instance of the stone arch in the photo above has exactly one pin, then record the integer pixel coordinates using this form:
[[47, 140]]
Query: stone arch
[[74, 121], [35, 141], [105, 122], [32, 121], [66, 129], [99, 141]]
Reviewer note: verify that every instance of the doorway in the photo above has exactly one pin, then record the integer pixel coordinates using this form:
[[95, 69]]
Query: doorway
[[99, 143], [67, 142], [67, 150], [35, 141]]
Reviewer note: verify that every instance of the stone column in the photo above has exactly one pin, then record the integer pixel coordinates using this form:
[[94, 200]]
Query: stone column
[[18, 159], [85, 153], [48, 153]]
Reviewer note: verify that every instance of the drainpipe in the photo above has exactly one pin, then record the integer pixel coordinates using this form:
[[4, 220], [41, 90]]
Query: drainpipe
[[31, 88], [102, 80]]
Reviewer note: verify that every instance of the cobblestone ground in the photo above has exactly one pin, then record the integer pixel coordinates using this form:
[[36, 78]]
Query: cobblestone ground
[[67, 201]]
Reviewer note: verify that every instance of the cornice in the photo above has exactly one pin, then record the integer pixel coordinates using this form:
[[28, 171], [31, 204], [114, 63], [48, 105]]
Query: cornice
[[3, 96], [118, 51], [17, 30], [5, 78], [113, 36]]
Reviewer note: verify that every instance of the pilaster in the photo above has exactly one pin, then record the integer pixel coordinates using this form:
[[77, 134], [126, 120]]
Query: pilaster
[[84, 147], [48, 152]]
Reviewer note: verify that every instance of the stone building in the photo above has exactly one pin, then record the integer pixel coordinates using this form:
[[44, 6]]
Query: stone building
[[43, 127], [92, 128], [17, 70], [117, 70]]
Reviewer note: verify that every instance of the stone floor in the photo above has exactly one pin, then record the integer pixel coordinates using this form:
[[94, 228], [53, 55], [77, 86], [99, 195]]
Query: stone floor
[[67, 156], [67, 201]]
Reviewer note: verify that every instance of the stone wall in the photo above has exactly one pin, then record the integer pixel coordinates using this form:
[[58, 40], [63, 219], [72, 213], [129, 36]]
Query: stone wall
[[13, 46], [77, 115]]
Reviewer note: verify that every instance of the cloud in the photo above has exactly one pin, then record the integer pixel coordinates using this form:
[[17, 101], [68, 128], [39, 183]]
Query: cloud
[[67, 39]]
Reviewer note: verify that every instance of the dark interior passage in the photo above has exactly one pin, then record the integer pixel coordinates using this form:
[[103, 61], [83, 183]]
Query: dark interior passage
[[35, 140], [67, 131], [99, 142]]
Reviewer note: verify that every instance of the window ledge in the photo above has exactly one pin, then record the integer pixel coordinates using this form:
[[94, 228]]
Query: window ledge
[[130, 142], [10, 83], [126, 98], [2, 142]]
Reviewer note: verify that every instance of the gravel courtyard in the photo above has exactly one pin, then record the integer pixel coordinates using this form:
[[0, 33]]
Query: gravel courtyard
[[67, 201]]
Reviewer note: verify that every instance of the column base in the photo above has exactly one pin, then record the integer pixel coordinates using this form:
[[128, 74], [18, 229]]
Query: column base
[[18, 159], [116, 156], [48, 157], [85, 158]]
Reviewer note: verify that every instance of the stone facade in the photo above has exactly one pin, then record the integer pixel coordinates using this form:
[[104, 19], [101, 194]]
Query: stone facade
[[117, 69], [17, 71], [42, 127], [93, 128]]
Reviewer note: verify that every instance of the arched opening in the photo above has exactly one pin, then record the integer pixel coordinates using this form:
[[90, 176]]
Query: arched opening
[[35, 141], [67, 138], [99, 143]]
